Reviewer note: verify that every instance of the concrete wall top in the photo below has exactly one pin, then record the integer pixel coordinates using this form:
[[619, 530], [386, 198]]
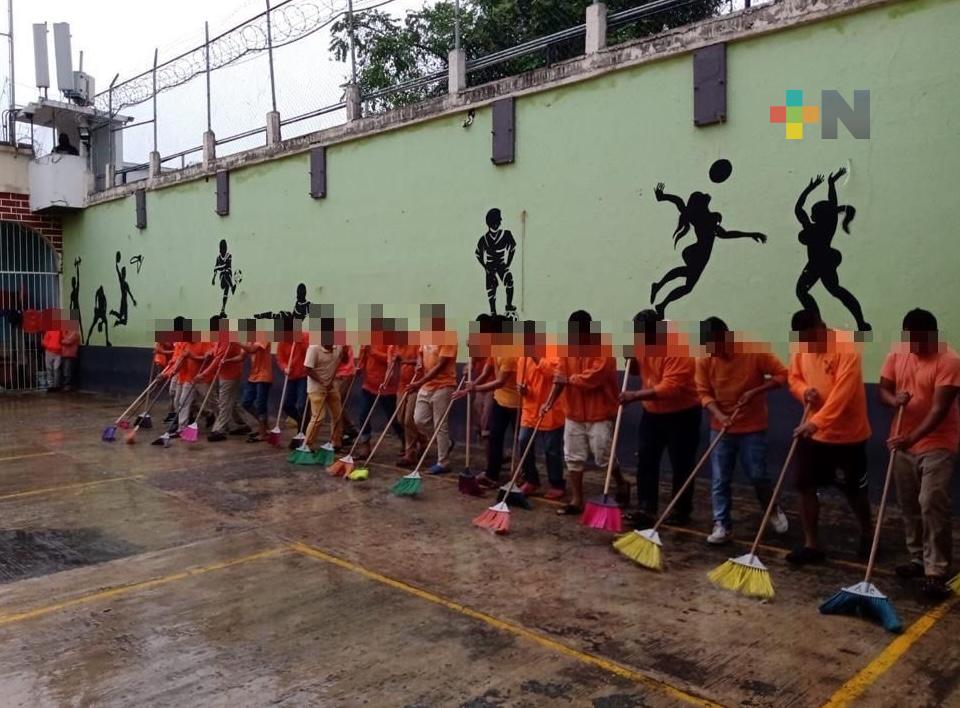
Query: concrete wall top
[[13, 169]]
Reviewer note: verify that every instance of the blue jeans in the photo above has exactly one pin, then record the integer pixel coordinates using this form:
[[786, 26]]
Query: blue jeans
[[255, 397], [751, 448], [552, 442], [388, 404]]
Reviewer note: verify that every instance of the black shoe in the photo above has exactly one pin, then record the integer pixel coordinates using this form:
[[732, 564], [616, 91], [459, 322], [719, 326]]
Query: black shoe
[[242, 430], [910, 570], [801, 555], [216, 437], [934, 588]]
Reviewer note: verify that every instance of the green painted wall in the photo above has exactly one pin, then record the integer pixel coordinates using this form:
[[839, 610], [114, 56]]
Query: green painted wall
[[405, 209]]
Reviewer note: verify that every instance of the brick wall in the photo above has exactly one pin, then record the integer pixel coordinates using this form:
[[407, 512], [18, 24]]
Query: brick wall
[[16, 208]]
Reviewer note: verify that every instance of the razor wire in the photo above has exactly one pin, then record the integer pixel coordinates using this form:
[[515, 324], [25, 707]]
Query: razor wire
[[290, 20]]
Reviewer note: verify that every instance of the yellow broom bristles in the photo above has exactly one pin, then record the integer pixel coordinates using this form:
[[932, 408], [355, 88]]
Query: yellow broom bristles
[[954, 584], [746, 579], [640, 549]]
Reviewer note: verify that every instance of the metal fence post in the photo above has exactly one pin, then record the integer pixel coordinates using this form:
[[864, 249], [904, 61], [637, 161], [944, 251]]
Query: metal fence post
[[110, 171], [353, 51], [273, 88], [456, 24], [206, 50]]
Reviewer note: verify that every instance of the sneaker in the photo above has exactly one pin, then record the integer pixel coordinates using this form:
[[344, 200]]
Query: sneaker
[[529, 488], [910, 570], [555, 494], [438, 469], [801, 555], [216, 437], [934, 587], [721, 535], [779, 521]]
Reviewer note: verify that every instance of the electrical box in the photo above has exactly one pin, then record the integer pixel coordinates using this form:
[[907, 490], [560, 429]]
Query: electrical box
[[83, 87]]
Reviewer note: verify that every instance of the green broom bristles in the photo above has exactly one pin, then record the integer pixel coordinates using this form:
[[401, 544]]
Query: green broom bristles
[[407, 486], [642, 547], [745, 575], [954, 584]]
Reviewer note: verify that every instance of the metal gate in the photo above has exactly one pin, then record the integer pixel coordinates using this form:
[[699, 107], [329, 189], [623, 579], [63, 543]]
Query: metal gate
[[29, 280]]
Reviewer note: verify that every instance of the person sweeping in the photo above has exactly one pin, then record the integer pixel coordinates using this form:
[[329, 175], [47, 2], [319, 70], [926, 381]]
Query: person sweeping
[[539, 372], [321, 362], [436, 384]]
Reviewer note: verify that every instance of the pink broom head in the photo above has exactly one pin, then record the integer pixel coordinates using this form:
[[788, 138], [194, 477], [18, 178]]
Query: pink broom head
[[341, 467], [273, 437], [190, 433], [125, 424], [602, 515], [495, 518]]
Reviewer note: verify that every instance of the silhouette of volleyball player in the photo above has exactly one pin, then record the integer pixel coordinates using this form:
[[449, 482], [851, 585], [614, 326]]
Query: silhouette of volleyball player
[[822, 259], [224, 268], [75, 295], [706, 227], [495, 251], [120, 314], [100, 316]]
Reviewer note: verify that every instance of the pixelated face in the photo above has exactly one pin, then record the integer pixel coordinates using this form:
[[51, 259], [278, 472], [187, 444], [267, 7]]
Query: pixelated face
[[922, 342]]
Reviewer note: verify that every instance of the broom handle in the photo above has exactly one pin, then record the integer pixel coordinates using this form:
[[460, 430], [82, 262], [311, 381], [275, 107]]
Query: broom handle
[[436, 428], [776, 490], [203, 403], [516, 429], [523, 458], [466, 451], [343, 403], [693, 475], [139, 398], [150, 404], [153, 368], [383, 434], [286, 378], [883, 500], [616, 432], [366, 420]]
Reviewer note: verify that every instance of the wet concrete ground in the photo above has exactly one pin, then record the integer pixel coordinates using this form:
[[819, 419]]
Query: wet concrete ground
[[211, 575]]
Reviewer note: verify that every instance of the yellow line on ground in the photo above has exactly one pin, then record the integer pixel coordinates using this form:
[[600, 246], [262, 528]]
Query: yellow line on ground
[[515, 629], [67, 487], [28, 456], [855, 687], [10, 618]]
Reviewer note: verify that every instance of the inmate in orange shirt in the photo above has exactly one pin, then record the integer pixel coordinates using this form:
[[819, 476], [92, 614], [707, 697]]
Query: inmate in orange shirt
[[375, 366], [193, 354], [408, 362], [506, 395], [592, 392], [837, 374], [723, 379], [538, 379], [261, 364], [431, 357], [920, 377], [299, 352]]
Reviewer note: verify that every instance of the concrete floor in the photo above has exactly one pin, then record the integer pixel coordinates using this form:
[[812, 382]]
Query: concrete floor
[[216, 575]]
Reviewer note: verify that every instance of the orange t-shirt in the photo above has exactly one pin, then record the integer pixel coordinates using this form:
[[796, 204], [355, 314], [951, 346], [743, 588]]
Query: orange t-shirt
[[538, 378], [431, 357], [506, 395], [674, 380], [838, 376], [348, 367], [229, 370], [191, 365], [51, 341], [261, 364], [592, 392], [722, 380], [161, 354], [299, 347], [920, 377], [375, 366], [407, 353]]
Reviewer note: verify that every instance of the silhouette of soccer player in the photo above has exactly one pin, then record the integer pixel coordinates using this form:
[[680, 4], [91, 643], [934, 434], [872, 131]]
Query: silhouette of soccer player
[[495, 251], [100, 316], [822, 259], [224, 268], [120, 314]]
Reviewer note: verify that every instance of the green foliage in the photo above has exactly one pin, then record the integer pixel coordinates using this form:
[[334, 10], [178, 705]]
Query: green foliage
[[391, 50]]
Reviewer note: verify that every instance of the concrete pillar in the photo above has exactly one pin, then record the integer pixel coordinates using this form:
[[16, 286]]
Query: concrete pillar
[[351, 96], [209, 149], [596, 27], [457, 68], [273, 127], [154, 164], [110, 178]]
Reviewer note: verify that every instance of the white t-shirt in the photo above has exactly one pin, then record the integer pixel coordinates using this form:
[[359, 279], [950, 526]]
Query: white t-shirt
[[324, 363]]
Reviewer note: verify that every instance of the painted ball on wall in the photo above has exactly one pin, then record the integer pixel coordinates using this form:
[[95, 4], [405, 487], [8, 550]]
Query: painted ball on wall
[[720, 171]]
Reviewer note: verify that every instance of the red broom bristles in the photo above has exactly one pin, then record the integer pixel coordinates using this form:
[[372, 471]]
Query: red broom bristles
[[495, 518], [603, 517]]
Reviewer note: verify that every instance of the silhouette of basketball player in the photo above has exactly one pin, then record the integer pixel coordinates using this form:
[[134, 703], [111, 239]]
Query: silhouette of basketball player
[[100, 316], [224, 268], [822, 259], [706, 227], [120, 314], [495, 251], [75, 295]]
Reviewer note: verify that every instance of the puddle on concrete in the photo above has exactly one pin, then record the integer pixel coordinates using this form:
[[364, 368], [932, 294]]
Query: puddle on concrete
[[36, 552]]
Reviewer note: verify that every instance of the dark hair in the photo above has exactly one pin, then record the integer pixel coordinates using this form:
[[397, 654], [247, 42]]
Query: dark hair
[[581, 317], [711, 329], [918, 320], [178, 323], [804, 320], [646, 321], [493, 218]]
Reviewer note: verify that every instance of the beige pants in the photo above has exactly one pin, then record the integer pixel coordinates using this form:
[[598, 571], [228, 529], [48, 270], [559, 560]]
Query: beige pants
[[228, 411], [321, 403], [431, 405], [581, 440], [923, 488], [411, 433]]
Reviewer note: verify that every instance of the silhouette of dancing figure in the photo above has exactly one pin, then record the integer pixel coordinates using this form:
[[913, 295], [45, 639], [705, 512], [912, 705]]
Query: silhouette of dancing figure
[[706, 226], [822, 259], [75, 296], [495, 251], [120, 314], [100, 316], [224, 268]]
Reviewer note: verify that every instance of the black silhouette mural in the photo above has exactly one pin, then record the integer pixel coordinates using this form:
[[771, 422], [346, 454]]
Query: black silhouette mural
[[137, 261], [695, 213], [495, 251], [823, 259], [301, 307], [100, 316], [75, 295], [120, 314], [223, 268]]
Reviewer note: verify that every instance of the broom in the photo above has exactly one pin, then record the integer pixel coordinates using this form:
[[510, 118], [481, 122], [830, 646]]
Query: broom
[[510, 493], [603, 512], [746, 574], [467, 481], [496, 518], [344, 466], [143, 420], [273, 436], [109, 433], [164, 439], [303, 455], [298, 439], [363, 471], [192, 431], [409, 485], [864, 599], [644, 547]]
